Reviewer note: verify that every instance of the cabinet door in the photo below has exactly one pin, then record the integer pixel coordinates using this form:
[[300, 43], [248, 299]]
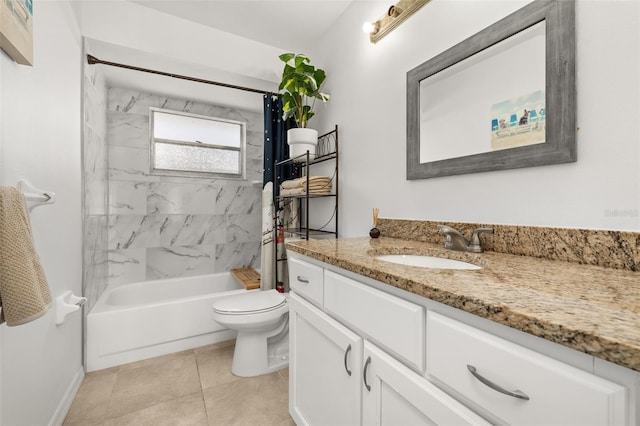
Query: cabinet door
[[395, 395], [324, 368]]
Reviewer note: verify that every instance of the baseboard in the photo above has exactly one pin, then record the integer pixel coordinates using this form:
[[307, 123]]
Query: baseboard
[[67, 400]]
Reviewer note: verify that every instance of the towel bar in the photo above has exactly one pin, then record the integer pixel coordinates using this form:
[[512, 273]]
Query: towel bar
[[35, 197], [66, 304]]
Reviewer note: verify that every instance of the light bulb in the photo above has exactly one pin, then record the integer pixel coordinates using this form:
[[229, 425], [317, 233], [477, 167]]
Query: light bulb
[[368, 27]]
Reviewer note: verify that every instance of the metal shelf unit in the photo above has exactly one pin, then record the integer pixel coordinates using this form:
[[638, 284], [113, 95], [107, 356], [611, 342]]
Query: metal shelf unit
[[327, 150]]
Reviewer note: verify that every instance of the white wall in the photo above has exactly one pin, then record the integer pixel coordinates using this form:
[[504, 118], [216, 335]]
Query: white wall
[[367, 85], [40, 141], [128, 24]]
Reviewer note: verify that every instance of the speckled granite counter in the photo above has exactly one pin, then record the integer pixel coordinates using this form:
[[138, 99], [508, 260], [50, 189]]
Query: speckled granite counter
[[589, 308]]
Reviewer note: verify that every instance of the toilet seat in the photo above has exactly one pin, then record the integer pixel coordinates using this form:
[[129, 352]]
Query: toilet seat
[[250, 303]]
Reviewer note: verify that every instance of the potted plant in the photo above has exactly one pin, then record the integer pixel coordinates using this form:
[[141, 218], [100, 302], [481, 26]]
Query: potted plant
[[301, 84]]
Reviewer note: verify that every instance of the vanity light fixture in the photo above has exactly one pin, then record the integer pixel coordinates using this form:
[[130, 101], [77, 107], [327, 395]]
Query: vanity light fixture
[[395, 15]]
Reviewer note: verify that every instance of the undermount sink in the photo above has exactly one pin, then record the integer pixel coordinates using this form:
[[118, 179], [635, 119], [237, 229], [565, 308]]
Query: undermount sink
[[427, 261]]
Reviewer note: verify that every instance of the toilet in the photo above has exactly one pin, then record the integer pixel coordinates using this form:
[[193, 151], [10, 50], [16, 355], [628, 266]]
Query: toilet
[[261, 318]]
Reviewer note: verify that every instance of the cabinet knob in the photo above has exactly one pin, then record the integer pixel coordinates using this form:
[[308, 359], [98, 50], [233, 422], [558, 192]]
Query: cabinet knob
[[516, 393]]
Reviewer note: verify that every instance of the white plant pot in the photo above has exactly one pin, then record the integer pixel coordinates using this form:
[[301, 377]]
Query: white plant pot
[[302, 140]]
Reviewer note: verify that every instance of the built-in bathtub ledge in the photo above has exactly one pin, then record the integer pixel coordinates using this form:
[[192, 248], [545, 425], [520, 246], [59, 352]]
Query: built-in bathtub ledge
[[609, 249]]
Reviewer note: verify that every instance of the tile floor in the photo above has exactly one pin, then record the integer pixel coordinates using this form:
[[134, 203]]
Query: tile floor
[[193, 387]]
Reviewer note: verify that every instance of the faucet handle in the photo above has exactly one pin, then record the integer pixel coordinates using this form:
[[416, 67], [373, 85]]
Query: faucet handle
[[475, 245]]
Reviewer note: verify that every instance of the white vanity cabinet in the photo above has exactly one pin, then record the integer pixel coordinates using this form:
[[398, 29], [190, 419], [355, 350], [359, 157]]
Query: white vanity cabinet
[[362, 354], [331, 382]]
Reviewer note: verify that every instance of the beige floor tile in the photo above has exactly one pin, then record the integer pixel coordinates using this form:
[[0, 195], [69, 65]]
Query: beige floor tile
[[214, 346], [288, 422], [92, 401], [188, 410], [284, 374], [214, 366], [167, 391], [154, 383], [84, 423], [103, 372], [156, 360], [261, 400]]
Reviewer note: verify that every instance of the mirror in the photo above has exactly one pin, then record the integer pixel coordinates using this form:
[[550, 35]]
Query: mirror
[[501, 99]]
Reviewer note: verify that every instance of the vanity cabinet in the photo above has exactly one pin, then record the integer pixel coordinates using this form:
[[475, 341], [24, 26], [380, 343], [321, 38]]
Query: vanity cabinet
[[361, 355], [331, 381]]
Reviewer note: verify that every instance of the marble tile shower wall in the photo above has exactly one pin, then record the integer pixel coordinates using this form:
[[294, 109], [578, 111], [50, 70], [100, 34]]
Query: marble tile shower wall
[[166, 227], [95, 183]]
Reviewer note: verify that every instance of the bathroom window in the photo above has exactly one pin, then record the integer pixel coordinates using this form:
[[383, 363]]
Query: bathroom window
[[193, 145]]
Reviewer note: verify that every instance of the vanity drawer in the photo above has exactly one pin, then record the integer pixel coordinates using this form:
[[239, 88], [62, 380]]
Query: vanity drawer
[[306, 280], [393, 323], [558, 393]]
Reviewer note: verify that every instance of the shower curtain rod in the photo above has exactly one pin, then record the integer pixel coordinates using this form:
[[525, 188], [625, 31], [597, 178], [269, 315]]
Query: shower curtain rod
[[93, 60]]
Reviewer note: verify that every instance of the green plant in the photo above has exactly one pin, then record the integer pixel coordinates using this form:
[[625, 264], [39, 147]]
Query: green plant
[[301, 83]]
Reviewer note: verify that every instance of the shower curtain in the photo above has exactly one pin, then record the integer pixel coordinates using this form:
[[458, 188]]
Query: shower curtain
[[275, 149]]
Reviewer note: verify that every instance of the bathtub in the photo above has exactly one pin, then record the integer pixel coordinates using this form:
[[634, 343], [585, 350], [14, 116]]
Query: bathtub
[[131, 322]]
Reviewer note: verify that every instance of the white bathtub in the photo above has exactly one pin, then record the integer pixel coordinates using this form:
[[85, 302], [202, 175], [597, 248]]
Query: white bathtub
[[136, 321]]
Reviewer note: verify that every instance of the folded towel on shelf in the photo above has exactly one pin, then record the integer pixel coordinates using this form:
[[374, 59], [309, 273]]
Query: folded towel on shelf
[[302, 182], [315, 187], [24, 291], [301, 191]]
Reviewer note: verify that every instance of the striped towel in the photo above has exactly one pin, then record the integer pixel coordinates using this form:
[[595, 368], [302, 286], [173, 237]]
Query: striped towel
[[24, 291]]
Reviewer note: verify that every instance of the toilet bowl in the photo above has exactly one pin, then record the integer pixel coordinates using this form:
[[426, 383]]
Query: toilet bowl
[[262, 321]]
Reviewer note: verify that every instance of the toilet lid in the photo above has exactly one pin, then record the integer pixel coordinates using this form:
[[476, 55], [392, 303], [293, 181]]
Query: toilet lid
[[251, 302]]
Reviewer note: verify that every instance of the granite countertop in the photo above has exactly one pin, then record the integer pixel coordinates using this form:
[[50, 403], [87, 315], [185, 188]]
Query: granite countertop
[[588, 308]]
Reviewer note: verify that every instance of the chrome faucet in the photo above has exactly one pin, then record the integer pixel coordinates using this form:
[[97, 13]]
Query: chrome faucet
[[456, 241]]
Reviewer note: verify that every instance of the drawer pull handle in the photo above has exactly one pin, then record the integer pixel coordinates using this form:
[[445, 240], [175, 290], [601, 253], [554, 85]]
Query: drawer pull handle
[[302, 280], [346, 355], [516, 393], [364, 373]]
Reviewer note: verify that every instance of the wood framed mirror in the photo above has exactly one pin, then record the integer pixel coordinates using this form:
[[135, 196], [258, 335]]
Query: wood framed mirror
[[504, 98]]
